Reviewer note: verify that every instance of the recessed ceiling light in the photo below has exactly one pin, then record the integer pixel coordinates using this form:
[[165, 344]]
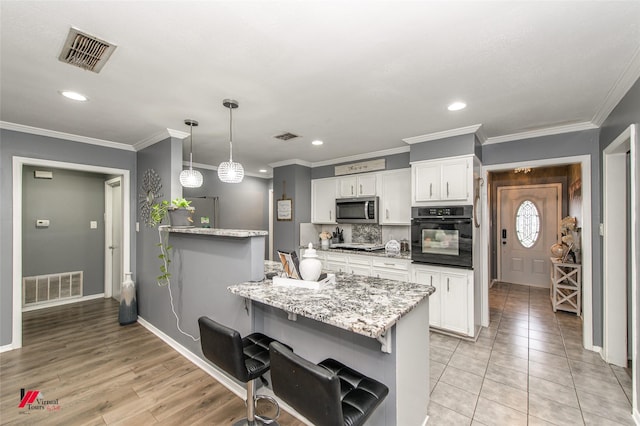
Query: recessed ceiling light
[[317, 142], [457, 106], [263, 170], [74, 95]]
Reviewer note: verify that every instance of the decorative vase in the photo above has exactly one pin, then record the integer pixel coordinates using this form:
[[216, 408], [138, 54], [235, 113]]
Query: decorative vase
[[128, 313], [310, 266], [324, 244], [557, 250]]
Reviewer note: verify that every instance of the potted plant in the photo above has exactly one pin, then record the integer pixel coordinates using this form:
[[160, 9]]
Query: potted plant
[[180, 214]]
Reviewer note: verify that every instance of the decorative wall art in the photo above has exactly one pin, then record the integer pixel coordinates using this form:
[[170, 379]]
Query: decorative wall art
[[149, 194], [284, 206]]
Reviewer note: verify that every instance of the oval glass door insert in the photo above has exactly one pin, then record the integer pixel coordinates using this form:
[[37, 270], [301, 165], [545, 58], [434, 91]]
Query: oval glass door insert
[[527, 224]]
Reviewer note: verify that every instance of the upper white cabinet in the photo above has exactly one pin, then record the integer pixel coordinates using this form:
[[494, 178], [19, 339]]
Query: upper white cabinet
[[434, 181], [357, 186], [323, 201], [395, 197]]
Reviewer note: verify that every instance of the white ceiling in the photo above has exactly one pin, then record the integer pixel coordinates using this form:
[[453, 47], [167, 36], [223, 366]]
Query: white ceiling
[[359, 75]]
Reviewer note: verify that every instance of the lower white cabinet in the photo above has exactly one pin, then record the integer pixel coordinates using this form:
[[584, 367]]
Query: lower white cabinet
[[368, 265], [451, 307], [390, 269]]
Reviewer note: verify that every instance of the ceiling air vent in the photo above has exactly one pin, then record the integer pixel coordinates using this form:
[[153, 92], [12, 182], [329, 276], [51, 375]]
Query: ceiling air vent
[[286, 136], [86, 51]]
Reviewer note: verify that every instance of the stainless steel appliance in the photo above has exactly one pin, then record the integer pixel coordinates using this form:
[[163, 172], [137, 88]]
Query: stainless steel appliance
[[442, 236], [357, 210]]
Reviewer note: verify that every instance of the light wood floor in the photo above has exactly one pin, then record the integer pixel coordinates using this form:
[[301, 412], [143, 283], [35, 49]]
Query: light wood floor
[[104, 373]]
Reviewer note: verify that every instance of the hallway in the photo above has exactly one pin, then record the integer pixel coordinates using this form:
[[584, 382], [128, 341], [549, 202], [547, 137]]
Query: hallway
[[527, 367]]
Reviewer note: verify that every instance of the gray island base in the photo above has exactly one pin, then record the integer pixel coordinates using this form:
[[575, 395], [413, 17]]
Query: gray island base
[[379, 327]]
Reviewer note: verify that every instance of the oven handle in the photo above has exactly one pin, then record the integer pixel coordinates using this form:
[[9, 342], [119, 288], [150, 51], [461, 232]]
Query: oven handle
[[441, 219]]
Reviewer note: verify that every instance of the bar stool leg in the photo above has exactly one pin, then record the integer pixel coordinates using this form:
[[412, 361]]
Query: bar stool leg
[[252, 419]]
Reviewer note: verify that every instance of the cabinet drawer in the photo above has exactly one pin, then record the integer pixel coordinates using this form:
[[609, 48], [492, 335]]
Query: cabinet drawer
[[336, 258], [359, 260], [397, 264]]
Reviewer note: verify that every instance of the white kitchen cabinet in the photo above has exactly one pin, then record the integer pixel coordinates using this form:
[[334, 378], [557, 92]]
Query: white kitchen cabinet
[[323, 201], [357, 186], [394, 189], [390, 268], [435, 181], [451, 307], [336, 262]]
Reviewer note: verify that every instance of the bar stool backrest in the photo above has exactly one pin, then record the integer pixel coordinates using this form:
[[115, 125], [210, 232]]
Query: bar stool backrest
[[223, 347], [311, 390]]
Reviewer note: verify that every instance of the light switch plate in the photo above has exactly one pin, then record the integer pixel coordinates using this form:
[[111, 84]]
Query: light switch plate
[[42, 223], [93, 224], [602, 229]]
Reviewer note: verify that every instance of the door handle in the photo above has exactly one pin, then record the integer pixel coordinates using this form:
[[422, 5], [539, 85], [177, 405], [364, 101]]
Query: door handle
[[360, 189], [387, 213], [504, 237], [329, 214], [431, 280], [447, 285], [447, 189], [351, 189], [113, 247], [430, 190]]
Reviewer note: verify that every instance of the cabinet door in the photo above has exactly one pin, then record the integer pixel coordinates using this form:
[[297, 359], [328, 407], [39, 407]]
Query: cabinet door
[[425, 276], [360, 265], [323, 201], [359, 270], [455, 309], [336, 266], [454, 180], [426, 182], [366, 186], [347, 187], [395, 198]]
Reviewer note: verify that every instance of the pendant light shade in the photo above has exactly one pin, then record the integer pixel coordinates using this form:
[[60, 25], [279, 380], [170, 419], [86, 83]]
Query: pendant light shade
[[230, 171], [190, 178]]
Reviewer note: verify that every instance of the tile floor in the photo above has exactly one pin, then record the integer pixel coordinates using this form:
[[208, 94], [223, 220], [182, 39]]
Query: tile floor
[[527, 367]]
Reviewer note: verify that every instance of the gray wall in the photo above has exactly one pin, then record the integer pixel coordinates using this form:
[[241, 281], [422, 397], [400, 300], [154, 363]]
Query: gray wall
[[42, 147], [242, 205], [286, 234], [393, 162], [443, 148], [69, 201], [152, 299], [556, 146]]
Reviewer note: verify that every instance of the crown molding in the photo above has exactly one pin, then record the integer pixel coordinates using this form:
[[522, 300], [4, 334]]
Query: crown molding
[[374, 154], [158, 137], [214, 168], [444, 134], [67, 136], [547, 131], [290, 162], [620, 88]]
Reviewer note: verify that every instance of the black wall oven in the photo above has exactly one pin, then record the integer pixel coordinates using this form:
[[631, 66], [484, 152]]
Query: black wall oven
[[442, 236]]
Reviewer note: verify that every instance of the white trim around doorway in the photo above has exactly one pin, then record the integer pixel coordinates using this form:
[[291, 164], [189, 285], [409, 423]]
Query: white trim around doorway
[[18, 163], [587, 251]]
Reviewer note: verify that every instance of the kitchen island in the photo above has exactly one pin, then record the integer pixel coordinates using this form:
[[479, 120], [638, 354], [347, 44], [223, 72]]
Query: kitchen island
[[377, 326]]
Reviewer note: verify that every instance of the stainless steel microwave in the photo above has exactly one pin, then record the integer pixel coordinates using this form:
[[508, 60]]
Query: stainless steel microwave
[[357, 210]]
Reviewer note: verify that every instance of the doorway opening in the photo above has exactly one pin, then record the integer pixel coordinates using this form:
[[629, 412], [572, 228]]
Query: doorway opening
[[17, 221], [620, 245], [576, 179]]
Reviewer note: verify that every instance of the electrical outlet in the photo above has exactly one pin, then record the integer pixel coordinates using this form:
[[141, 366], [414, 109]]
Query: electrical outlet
[[93, 224]]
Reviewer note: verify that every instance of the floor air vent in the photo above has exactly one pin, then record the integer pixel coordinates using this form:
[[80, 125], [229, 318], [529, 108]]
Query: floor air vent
[[85, 51], [43, 289]]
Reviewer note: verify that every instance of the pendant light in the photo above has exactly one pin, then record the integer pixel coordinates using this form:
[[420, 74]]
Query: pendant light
[[229, 171], [191, 178]]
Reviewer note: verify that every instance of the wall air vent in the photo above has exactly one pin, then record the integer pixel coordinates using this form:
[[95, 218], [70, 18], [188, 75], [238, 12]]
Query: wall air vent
[[85, 51], [286, 136]]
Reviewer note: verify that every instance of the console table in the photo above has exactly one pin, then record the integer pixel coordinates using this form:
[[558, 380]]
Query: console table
[[566, 286]]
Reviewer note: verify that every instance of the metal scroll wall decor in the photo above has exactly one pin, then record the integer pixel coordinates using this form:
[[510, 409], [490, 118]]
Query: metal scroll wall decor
[[149, 194]]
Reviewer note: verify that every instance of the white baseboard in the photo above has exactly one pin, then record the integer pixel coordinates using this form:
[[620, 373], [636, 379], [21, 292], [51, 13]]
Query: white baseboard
[[6, 348], [221, 377], [63, 302]]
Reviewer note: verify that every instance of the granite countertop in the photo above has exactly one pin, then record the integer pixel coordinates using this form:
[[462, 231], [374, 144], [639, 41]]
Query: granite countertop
[[364, 305], [216, 232], [376, 253]]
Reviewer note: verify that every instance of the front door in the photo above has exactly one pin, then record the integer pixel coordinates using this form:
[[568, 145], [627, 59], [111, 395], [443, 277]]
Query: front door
[[528, 224]]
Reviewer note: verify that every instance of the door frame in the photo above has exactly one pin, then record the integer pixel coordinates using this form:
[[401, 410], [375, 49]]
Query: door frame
[[108, 225], [17, 164], [587, 251], [557, 186], [615, 242]]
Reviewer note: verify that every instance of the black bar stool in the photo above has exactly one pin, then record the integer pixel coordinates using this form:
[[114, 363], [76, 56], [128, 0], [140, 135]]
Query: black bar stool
[[246, 359], [328, 394]]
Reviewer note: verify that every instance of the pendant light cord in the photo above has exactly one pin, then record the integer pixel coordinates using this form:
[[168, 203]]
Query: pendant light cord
[[231, 134], [191, 148]]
